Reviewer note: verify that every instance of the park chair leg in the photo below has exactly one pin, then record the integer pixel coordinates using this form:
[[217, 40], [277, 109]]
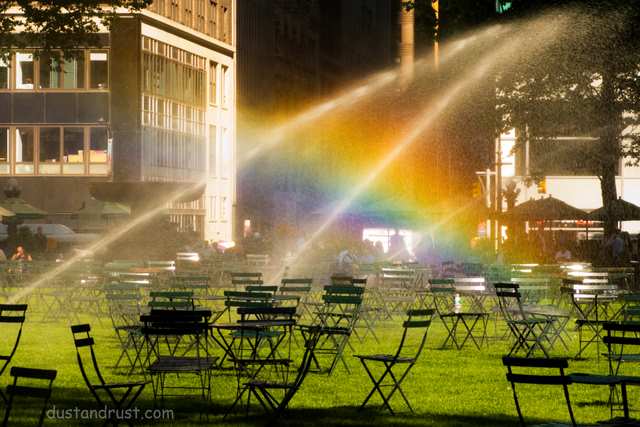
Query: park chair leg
[[376, 386]]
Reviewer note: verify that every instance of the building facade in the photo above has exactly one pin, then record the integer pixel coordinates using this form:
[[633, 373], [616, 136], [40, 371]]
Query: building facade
[[154, 104], [290, 55]]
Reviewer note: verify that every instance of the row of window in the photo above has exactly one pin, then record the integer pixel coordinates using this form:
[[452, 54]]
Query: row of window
[[211, 17], [175, 53], [54, 150], [48, 71], [164, 114], [170, 79], [174, 150]]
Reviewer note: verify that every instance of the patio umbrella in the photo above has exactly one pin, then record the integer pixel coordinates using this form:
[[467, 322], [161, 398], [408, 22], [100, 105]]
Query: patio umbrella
[[102, 209], [622, 211], [5, 213], [546, 209], [21, 209]]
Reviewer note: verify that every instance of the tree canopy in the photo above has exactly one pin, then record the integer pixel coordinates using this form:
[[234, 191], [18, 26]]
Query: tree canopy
[[61, 25], [587, 83]]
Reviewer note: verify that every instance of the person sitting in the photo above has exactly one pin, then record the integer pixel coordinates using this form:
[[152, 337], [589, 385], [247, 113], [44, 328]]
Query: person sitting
[[21, 255]]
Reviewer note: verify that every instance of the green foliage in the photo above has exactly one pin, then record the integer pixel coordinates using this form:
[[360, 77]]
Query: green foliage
[[58, 24], [586, 83]]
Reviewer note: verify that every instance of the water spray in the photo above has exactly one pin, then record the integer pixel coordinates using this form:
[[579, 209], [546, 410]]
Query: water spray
[[424, 122], [370, 86], [103, 242]]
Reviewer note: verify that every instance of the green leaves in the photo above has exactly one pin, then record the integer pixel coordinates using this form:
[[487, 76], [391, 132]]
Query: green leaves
[[59, 24]]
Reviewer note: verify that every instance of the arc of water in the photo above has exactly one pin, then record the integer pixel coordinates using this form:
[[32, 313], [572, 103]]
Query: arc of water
[[350, 97], [428, 117]]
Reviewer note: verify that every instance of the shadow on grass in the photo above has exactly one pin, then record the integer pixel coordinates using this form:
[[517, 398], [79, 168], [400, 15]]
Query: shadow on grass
[[351, 416], [195, 412]]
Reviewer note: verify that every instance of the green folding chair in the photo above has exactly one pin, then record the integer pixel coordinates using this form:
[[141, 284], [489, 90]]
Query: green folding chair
[[12, 315], [414, 337], [34, 389], [528, 378]]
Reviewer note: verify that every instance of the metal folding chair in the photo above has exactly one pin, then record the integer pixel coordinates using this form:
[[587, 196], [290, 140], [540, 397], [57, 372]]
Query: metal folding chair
[[622, 340], [592, 305], [411, 344], [37, 391], [530, 332], [529, 378], [260, 332], [337, 318], [274, 396], [190, 327], [115, 395], [12, 317], [454, 316]]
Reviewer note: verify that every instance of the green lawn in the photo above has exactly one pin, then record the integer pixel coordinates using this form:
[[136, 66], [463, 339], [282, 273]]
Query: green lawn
[[446, 388]]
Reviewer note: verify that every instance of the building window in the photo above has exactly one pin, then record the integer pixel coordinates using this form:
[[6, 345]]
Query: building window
[[200, 19], [24, 71], [24, 150], [227, 155], [226, 25], [98, 151], [73, 151], [73, 73], [49, 151], [225, 85], [213, 147], [212, 18], [50, 71], [187, 15], [174, 11], [213, 77], [223, 208], [4, 74], [212, 208], [5, 152], [99, 70]]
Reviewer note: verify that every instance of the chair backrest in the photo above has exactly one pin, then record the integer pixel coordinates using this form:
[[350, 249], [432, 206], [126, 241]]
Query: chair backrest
[[509, 301], [159, 325], [175, 300], [414, 334], [162, 265], [345, 300], [339, 279], [39, 387], [622, 338], [248, 299], [84, 348], [13, 315], [443, 292], [261, 288], [296, 286], [250, 314], [258, 260], [241, 279], [539, 379], [397, 277], [532, 288], [469, 284]]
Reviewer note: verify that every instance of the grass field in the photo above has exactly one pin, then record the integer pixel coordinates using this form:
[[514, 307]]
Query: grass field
[[446, 387]]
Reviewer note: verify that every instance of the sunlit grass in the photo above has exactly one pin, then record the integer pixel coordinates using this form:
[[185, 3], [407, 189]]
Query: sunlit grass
[[446, 388]]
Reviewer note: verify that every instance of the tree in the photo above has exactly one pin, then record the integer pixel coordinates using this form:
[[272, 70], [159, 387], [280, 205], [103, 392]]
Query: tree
[[59, 25], [587, 83]]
